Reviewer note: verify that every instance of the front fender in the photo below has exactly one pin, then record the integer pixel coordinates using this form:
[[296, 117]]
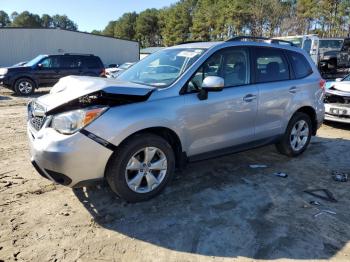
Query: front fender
[[120, 122], [17, 76]]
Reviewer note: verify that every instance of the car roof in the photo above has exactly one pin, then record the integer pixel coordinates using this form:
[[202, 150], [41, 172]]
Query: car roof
[[205, 45], [69, 54], [208, 45]]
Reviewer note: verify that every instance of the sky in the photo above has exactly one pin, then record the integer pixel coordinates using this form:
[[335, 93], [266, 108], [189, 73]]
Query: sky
[[88, 14]]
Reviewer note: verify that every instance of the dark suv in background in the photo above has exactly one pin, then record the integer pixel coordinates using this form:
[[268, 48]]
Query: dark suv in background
[[46, 70], [336, 58]]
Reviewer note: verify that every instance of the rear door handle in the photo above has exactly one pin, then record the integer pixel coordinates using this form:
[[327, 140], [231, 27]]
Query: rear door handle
[[249, 98], [293, 90]]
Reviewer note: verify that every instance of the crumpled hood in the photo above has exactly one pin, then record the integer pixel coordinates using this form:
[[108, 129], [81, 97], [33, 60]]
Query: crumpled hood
[[337, 92], [340, 86], [73, 87]]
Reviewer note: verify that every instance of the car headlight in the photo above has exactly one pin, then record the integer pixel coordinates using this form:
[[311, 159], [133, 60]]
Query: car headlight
[[70, 122], [3, 71]]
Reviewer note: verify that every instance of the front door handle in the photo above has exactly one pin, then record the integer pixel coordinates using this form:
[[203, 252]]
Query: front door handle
[[249, 98], [293, 90]]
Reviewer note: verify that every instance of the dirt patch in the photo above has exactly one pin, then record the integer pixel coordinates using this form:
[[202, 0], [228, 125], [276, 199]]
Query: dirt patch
[[213, 210]]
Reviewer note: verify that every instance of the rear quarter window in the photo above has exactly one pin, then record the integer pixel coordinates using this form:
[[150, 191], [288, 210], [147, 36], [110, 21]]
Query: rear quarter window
[[92, 62], [300, 65]]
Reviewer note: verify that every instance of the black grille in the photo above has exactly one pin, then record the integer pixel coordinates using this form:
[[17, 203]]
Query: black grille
[[36, 115], [37, 122]]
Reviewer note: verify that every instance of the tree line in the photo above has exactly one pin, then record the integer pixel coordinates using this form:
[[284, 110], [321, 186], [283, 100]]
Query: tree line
[[211, 20], [27, 19]]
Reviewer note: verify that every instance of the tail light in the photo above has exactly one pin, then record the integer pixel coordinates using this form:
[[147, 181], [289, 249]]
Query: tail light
[[322, 84], [103, 73]]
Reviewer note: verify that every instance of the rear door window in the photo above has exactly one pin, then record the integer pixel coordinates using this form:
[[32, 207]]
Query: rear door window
[[271, 65], [91, 62], [301, 66], [71, 62]]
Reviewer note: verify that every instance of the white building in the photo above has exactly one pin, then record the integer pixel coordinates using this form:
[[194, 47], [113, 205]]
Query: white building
[[23, 44]]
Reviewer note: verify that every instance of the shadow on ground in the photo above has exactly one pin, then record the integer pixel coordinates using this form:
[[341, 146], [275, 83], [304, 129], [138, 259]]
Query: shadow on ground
[[224, 208], [343, 126], [5, 98], [7, 94]]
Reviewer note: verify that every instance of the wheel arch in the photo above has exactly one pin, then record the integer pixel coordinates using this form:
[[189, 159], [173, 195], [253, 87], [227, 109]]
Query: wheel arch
[[312, 114], [16, 78], [169, 135]]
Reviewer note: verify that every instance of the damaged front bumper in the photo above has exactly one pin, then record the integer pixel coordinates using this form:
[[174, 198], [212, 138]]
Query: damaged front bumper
[[73, 160], [337, 106]]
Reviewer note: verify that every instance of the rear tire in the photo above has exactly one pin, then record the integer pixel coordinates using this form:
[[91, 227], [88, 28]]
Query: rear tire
[[141, 167], [297, 136], [24, 87]]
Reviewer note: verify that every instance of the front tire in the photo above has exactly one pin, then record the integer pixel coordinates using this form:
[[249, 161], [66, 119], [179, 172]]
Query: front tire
[[24, 87], [297, 136], [141, 167]]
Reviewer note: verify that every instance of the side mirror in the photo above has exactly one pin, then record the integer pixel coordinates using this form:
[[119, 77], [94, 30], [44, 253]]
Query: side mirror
[[40, 66], [211, 84], [338, 79]]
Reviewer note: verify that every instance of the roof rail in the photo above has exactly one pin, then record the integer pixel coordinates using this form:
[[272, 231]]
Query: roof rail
[[78, 54], [264, 39], [190, 42]]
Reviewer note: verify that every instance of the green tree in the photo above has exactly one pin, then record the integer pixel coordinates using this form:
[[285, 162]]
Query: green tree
[[204, 20], [234, 19], [176, 21], [109, 29], [344, 14], [46, 21], [4, 19], [276, 12], [147, 28], [26, 19], [221, 19], [14, 15], [125, 27], [96, 32], [63, 22], [307, 11]]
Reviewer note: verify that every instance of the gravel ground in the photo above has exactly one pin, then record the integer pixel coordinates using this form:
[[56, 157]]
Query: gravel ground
[[219, 209]]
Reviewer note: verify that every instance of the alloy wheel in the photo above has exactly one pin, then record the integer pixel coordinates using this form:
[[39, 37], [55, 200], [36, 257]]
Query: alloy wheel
[[146, 170], [25, 87], [299, 135]]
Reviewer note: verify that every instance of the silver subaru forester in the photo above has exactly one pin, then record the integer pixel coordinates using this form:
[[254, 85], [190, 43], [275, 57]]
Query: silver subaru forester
[[185, 103]]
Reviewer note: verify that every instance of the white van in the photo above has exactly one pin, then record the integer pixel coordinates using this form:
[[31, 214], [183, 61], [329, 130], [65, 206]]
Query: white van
[[310, 43]]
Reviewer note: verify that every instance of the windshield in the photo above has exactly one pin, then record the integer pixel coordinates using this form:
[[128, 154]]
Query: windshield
[[162, 68], [35, 60], [334, 44]]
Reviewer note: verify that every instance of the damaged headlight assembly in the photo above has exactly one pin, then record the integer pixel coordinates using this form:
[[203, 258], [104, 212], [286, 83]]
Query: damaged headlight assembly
[[68, 123]]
